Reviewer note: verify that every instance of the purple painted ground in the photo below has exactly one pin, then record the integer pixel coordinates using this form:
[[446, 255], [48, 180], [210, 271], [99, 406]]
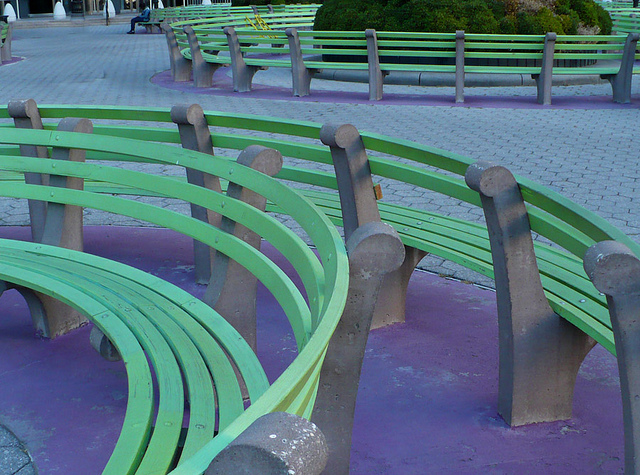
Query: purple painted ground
[[222, 86], [427, 401]]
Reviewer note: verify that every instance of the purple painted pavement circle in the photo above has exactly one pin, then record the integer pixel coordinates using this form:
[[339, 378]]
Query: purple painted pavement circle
[[223, 86], [427, 400]]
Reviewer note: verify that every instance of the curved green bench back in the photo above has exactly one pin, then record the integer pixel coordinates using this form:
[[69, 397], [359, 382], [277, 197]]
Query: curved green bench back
[[308, 162], [313, 312]]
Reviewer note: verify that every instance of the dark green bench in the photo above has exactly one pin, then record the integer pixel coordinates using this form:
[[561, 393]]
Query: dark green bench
[[565, 298], [156, 328]]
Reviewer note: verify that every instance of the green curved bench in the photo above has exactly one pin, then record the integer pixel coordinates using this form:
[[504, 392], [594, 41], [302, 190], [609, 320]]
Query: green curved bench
[[568, 228], [158, 328]]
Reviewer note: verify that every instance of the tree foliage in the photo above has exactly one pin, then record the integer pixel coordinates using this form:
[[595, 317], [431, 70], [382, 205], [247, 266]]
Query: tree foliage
[[533, 17]]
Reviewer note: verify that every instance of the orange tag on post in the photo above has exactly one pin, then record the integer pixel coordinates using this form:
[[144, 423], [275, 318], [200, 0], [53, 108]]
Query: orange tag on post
[[377, 190]]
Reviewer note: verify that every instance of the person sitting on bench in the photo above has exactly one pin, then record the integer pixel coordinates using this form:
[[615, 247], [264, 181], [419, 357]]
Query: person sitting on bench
[[140, 19]]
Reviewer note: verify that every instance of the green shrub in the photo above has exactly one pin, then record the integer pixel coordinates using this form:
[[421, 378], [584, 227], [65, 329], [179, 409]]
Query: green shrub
[[473, 16]]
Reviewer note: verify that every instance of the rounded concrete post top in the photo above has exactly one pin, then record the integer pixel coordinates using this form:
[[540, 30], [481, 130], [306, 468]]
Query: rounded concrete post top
[[489, 179], [291, 32], [188, 30], [75, 124], [375, 248], [25, 109], [229, 30], [613, 268], [165, 27], [263, 159], [186, 113], [551, 36], [634, 36], [275, 443], [340, 136], [459, 34], [370, 33]]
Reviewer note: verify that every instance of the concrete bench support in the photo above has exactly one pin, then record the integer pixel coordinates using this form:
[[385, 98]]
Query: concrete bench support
[[5, 51], [615, 271], [276, 443], [180, 67], [232, 289], [242, 74], [300, 75], [27, 116], [56, 224], [459, 66], [540, 352], [376, 75], [202, 71], [545, 78], [621, 82], [195, 135], [359, 206], [374, 250]]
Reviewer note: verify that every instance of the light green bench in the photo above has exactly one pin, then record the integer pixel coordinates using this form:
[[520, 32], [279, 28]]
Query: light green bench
[[379, 53], [574, 305], [157, 328]]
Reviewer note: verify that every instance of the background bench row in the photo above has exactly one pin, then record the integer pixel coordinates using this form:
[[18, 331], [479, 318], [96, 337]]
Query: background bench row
[[198, 50], [550, 315]]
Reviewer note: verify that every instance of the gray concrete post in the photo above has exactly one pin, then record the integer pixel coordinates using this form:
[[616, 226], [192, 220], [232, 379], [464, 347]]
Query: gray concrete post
[[276, 444], [374, 250], [254, 9], [376, 76], [202, 71], [621, 82], [270, 7], [359, 206], [63, 227], [540, 352], [544, 80], [103, 345], [615, 271], [27, 116], [355, 185], [459, 66], [300, 75], [242, 74], [195, 135], [232, 288], [180, 66], [5, 52]]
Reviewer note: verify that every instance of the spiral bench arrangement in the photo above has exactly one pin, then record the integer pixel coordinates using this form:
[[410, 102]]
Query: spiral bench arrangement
[[550, 314]]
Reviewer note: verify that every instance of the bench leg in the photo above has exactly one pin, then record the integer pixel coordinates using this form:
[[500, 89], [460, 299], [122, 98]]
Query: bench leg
[[393, 294], [232, 288], [27, 116], [180, 67], [621, 82], [615, 271], [540, 352], [103, 345], [375, 249], [195, 135], [36, 309], [242, 74]]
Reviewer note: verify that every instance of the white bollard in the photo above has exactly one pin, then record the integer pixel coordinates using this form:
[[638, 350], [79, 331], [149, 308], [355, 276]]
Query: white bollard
[[10, 12], [59, 12], [112, 9]]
